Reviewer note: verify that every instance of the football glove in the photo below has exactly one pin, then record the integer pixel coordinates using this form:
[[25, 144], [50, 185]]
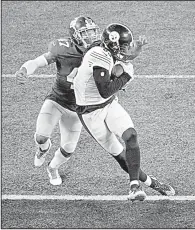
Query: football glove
[[137, 44], [21, 75], [128, 68], [143, 40], [136, 47]]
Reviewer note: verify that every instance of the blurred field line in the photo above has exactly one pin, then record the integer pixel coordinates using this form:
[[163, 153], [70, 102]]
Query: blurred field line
[[97, 197], [136, 76]]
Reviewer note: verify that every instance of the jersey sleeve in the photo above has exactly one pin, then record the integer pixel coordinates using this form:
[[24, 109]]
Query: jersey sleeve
[[59, 47], [107, 87], [56, 48], [53, 47], [101, 58]]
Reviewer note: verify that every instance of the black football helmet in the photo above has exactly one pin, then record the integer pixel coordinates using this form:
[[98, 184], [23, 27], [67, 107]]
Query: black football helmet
[[84, 31], [118, 39]]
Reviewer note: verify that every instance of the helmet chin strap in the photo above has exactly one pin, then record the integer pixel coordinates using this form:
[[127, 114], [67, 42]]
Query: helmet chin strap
[[81, 48], [85, 45]]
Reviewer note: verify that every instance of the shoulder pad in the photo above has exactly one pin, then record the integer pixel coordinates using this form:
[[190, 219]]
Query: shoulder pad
[[101, 50], [99, 56], [59, 46]]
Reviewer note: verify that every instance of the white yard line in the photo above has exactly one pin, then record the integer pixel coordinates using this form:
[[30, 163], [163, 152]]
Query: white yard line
[[136, 76], [165, 76], [97, 197]]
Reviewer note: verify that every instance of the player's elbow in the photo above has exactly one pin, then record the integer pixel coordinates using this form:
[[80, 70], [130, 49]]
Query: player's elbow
[[105, 95], [104, 92]]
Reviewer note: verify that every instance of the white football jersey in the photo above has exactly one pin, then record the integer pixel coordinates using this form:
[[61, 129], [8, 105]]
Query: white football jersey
[[85, 88]]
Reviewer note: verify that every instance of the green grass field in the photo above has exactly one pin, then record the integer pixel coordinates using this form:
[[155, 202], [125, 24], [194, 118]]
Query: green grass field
[[162, 109]]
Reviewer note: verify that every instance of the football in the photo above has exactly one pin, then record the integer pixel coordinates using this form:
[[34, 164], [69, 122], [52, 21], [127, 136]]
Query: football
[[117, 70]]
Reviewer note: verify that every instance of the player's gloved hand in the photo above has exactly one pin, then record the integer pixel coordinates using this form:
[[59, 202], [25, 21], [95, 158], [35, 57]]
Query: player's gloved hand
[[21, 75], [136, 47], [143, 40], [137, 44]]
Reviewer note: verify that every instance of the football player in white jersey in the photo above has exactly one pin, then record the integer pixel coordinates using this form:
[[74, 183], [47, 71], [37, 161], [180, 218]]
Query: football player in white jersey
[[102, 116]]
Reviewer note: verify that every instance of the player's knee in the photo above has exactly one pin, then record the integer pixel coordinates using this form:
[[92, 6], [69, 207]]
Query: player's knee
[[39, 139], [114, 148], [130, 137]]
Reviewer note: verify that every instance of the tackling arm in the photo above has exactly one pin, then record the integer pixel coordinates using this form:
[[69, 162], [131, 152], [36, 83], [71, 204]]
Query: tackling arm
[[33, 65]]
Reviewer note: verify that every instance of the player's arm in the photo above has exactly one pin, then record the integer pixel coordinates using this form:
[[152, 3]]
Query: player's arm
[[105, 85], [30, 66]]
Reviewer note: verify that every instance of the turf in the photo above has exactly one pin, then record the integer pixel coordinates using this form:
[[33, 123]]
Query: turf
[[166, 136], [112, 214], [161, 109]]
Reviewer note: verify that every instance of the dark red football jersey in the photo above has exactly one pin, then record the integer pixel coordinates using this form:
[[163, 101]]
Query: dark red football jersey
[[67, 57]]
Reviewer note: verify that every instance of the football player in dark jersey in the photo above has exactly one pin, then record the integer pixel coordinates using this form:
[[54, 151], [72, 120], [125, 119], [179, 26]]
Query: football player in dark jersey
[[60, 103]]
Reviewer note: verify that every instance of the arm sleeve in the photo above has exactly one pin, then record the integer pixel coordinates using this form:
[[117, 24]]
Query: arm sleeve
[[105, 85], [33, 65], [43, 60]]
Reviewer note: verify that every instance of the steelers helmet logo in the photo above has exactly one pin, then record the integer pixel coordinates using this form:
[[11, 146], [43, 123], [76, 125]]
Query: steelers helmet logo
[[114, 36]]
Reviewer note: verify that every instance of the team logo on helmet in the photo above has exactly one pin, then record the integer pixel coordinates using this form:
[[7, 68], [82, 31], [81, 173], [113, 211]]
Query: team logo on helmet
[[89, 22], [114, 36]]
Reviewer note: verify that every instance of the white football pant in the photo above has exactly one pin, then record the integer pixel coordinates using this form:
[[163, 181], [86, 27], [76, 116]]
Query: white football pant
[[104, 124], [70, 126]]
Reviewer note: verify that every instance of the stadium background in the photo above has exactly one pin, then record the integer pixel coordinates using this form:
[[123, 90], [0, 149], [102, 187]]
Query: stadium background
[[162, 109]]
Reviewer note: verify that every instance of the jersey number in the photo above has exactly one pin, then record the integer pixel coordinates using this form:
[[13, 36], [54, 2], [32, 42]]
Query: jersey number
[[64, 44]]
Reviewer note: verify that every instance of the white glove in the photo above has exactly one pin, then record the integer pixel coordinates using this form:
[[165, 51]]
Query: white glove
[[128, 68], [137, 44], [21, 75]]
